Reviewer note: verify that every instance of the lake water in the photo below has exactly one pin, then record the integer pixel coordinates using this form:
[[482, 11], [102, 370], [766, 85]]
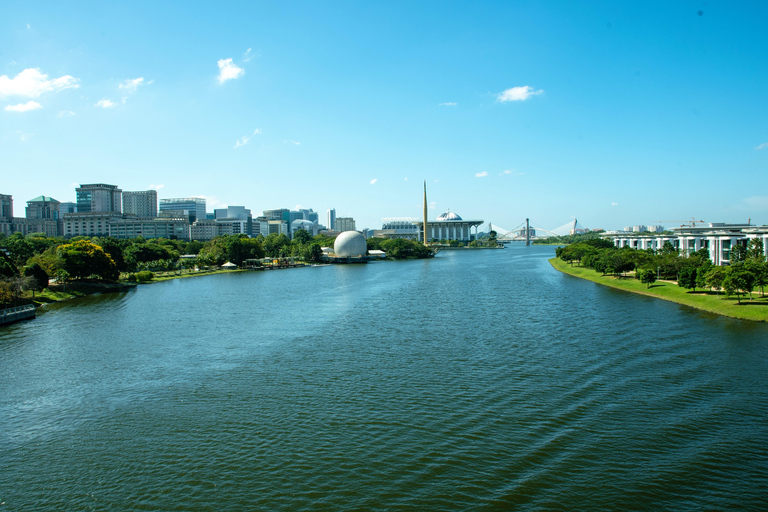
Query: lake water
[[478, 380]]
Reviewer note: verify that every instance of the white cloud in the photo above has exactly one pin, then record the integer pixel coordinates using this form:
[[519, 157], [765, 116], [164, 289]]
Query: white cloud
[[521, 93], [131, 85], [156, 187], [512, 172], [448, 104], [23, 107], [614, 204], [31, 83], [248, 55], [481, 174], [432, 205], [24, 137], [374, 180], [508, 171], [762, 146], [228, 70], [406, 179], [245, 138], [292, 142], [105, 103], [66, 113]]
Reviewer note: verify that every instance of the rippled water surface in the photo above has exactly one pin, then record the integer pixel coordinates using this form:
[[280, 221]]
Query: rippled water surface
[[480, 380]]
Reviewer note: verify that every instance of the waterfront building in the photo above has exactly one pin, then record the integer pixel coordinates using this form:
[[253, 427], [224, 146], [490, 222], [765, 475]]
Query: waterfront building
[[717, 238], [88, 223], [282, 214], [307, 225], [449, 226], [191, 207], [142, 203], [98, 197], [344, 224], [238, 219], [398, 227], [130, 226], [331, 214], [67, 207], [43, 216], [6, 207]]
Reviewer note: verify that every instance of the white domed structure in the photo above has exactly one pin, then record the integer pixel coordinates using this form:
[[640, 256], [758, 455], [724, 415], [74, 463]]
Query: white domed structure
[[448, 216], [350, 244]]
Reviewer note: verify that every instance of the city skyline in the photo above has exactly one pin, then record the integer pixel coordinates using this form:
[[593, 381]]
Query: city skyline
[[614, 115]]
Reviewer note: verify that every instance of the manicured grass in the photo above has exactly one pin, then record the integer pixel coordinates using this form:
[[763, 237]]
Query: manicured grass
[[755, 309], [165, 276]]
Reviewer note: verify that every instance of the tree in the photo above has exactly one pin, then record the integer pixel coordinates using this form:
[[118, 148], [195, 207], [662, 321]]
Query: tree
[[755, 250], [83, 259], [738, 253], [7, 268], [715, 277], [39, 275], [301, 236], [687, 278], [738, 280], [647, 276]]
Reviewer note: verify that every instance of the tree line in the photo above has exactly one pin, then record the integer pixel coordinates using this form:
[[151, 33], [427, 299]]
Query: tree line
[[747, 271]]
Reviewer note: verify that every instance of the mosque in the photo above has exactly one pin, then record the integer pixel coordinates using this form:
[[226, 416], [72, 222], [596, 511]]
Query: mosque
[[447, 226]]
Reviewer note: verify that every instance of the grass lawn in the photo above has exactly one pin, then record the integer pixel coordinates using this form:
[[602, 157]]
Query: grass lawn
[[755, 309]]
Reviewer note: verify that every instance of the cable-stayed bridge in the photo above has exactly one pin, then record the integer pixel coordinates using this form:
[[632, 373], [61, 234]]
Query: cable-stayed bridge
[[529, 231]]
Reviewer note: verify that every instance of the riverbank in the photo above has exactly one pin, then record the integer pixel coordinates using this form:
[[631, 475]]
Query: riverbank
[[712, 302]]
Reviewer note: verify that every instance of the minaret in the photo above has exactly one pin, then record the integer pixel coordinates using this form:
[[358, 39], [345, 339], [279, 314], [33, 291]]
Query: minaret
[[425, 212]]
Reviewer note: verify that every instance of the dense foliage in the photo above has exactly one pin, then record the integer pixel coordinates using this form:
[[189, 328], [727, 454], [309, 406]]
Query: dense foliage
[[748, 269], [570, 239]]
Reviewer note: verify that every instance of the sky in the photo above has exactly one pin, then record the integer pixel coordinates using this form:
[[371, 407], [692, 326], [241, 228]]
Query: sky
[[614, 113]]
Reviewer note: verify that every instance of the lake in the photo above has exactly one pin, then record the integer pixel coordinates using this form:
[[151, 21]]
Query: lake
[[477, 380]]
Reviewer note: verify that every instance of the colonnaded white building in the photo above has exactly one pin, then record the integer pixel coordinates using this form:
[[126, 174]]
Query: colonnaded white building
[[449, 226], [718, 238]]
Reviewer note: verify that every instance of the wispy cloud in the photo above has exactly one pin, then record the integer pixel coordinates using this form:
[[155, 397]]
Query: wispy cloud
[[289, 141], [406, 179], [448, 104], [432, 205], [374, 180], [511, 172], [131, 85], [762, 146], [228, 70], [614, 204], [105, 103], [156, 187], [481, 174], [521, 93], [245, 138], [24, 107], [31, 83], [248, 55], [66, 113]]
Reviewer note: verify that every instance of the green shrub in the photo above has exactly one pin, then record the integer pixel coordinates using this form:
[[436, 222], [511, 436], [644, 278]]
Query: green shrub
[[132, 278], [145, 275]]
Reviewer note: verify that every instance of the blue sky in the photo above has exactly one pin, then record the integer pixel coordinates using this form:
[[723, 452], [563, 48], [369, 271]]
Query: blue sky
[[617, 113]]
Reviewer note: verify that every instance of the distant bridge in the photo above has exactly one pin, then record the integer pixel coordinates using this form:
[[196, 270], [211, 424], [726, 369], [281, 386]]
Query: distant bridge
[[529, 231]]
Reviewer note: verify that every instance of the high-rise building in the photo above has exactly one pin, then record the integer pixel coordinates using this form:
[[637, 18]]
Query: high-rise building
[[43, 207], [67, 207], [6, 207], [278, 214], [98, 197], [142, 203], [237, 218], [345, 224], [191, 207], [331, 218]]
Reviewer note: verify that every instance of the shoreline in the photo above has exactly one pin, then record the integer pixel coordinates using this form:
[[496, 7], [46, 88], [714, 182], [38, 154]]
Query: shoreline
[[669, 291]]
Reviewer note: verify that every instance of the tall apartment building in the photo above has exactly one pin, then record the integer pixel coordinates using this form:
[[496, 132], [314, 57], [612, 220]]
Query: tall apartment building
[[345, 224], [142, 203], [331, 218], [191, 207], [6, 207], [98, 197]]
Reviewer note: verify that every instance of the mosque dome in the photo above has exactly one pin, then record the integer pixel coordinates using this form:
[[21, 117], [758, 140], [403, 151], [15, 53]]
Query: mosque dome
[[350, 243], [448, 216]]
